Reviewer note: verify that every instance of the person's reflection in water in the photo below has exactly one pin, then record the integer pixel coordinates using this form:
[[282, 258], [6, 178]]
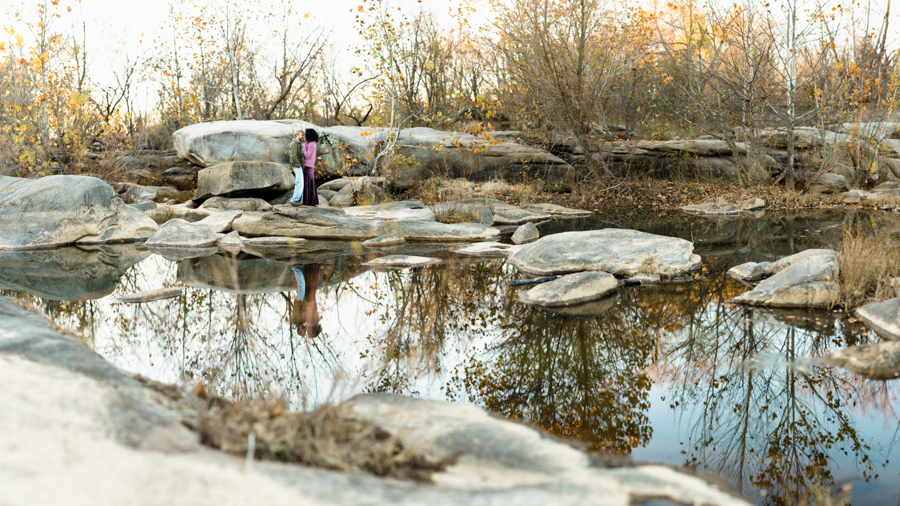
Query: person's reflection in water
[[305, 314]]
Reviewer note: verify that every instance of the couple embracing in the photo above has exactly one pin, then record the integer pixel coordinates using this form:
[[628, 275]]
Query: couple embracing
[[303, 162]]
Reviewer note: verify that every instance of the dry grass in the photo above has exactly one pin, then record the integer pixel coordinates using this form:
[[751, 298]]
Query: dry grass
[[887, 201], [867, 263], [330, 436], [648, 266], [789, 199], [442, 197]]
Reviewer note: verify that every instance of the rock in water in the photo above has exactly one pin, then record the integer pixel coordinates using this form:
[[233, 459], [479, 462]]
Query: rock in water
[[400, 261], [518, 216], [883, 318], [753, 204], [526, 233], [811, 282], [59, 210], [877, 361], [487, 249], [181, 234], [616, 251], [570, 290], [150, 296], [244, 179], [385, 241]]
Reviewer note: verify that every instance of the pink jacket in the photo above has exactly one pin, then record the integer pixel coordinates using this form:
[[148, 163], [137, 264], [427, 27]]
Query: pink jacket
[[309, 154]]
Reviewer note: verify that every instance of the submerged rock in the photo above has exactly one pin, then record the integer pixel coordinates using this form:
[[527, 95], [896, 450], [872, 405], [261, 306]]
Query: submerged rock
[[150, 296], [810, 282], [571, 290], [181, 234], [61, 210], [244, 179], [616, 251], [400, 261], [882, 317], [526, 233], [876, 361]]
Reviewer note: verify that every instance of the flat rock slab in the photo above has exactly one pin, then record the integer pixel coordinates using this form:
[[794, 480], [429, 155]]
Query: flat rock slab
[[571, 290], [876, 361], [150, 296], [401, 262], [518, 216], [59, 210], [620, 252], [811, 282], [164, 213], [392, 211], [220, 222], [244, 179], [560, 211], [645, 279], [181, 234], [385, 241], [488, 249], [238, 204], [750, 271], [882, 317], [713, 209]]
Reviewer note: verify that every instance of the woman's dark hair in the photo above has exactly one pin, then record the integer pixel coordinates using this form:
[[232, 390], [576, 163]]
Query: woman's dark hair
[[312, 135]]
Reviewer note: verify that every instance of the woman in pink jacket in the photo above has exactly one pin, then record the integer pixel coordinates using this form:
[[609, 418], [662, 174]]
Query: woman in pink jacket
[[310, 193]]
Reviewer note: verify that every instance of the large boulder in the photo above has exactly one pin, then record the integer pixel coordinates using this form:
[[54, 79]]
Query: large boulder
[[829, 183], [883, 318], [811, 282], [453, 154], [208, 144], [59, 210], [617, 251], [244, 179]]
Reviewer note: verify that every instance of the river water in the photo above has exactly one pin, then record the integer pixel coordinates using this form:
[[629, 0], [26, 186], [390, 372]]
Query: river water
[[670, 374]]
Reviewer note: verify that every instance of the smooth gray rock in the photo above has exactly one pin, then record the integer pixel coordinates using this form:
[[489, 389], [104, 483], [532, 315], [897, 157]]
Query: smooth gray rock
[[753, 204], [886, 186], [876, 360], [207, 144], [181, 234], [341, 200], [526, 233], [882, 317], [165, 212], [750, 271], [143, 206], [385, 241], [69, 273], [228, 204], [616, 251], [221, 222], [518, 216], [392, 211], [829, 183], [400, 262], [183, 178], [811, 282], [150, 296], [851, 199], [244, 179], [571, 290], [646, 279], [232, 240], [59, 210], [560, 211], [334, 185], [135, 193], [326, 194], [713, 209]]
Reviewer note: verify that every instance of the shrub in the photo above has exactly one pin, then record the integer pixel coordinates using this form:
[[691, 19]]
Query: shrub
[[867, 263]]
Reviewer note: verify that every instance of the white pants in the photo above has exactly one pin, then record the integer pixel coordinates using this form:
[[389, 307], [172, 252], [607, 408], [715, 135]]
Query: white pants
[[298, 185]]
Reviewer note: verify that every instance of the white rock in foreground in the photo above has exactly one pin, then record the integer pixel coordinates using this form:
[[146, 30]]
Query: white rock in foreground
[[617, 251], [570, 290]]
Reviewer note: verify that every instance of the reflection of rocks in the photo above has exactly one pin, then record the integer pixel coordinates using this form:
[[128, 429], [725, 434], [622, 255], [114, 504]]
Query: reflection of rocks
[[877, 361], [60, 210], [617, 251], [588, 309], [713, 209], [69, 273], [173, 254], [237, 275], [882, 317], [808, 282], [571, 290], [150, 296]]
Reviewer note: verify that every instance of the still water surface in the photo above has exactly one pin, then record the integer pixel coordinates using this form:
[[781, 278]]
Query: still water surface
[[672, 374]]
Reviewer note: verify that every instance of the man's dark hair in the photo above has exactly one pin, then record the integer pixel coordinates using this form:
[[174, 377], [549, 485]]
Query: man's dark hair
[[312, 135]]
